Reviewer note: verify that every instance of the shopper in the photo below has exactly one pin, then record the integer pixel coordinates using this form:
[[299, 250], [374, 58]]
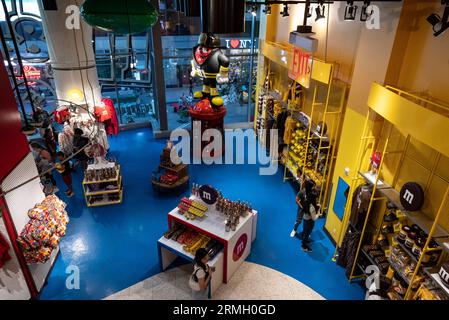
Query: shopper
[[309, 221], [304, 199], [44, 162], [50, 143], [79, 142], [65, 169], [201, 276]]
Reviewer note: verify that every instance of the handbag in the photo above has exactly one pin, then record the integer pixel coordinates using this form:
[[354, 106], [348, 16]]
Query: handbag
[[313, 213], [193, 281]]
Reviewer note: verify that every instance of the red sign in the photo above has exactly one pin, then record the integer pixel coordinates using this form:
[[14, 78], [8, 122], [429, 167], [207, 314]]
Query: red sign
[[301, 68], [240, 247], [30, 72]]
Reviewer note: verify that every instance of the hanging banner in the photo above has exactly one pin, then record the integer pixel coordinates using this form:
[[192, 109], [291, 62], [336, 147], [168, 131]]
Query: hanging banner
[[301, 67]]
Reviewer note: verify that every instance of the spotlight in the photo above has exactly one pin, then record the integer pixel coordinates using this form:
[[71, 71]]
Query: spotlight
[[320, 11], [350, 11], [267, 9], [365, 14], [254, 11], [309, 13], [284, 12], [440, 24]]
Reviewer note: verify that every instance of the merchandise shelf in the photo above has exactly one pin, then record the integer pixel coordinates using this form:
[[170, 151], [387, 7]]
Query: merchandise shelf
[[174, 245], [175, 168], [433, 274], [116, 179], [399, 271], [97, 193], [407, 250], [440, 235], [106, 202], [371, 260]]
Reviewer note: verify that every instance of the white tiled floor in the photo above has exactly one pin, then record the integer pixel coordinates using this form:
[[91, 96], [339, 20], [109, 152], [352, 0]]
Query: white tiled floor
[[250, 282]]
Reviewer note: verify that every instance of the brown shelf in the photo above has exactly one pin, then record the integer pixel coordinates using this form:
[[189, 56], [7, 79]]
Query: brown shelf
[[177, 168]]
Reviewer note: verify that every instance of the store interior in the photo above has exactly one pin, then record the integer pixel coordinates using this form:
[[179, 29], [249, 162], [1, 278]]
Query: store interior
[[338, 105]]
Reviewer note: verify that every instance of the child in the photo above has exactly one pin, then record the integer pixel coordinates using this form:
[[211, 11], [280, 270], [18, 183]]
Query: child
[[66, 172]]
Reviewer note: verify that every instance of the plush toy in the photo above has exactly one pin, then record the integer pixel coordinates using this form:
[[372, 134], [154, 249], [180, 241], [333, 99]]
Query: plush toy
[[211, 65], [375, 161]]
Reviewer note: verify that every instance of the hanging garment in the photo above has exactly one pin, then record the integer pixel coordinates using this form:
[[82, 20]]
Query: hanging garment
[[4, 248], [360, 204], [111, 125], [102, 113], [61, 115], [348, 249], [65, 140]]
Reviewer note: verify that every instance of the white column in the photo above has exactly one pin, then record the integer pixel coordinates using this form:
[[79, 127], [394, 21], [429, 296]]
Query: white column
[[71, 55]]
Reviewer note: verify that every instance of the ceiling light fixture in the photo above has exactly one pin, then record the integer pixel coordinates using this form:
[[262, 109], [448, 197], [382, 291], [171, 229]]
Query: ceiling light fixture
[[267, 9], [440, 24], [364, 15], [309, 11], [284, 12], [350, 11], [320, 9]]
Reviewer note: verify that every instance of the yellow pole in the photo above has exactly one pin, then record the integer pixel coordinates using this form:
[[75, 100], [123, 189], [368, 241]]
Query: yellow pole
[[426, 246], [348, 206], [371, 202]]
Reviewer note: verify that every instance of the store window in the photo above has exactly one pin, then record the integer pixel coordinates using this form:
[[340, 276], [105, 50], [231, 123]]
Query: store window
[[123, 65], [179, 35], [28, 36]]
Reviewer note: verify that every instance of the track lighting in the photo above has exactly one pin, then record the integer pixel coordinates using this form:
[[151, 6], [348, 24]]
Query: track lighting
[[267, 9], [440, 24], [284, 12], [364, 15], [320, 9], [350, 11]]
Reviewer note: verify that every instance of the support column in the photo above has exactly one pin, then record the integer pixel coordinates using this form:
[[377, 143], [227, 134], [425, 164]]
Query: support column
[[71, 55]]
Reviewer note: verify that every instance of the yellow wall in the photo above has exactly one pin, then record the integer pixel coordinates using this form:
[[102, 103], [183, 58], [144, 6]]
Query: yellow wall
[[403, 53], [421, 61]]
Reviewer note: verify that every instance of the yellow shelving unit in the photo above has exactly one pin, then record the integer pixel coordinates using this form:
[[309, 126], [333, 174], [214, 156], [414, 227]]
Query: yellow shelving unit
[[114, 181], [398, 111]]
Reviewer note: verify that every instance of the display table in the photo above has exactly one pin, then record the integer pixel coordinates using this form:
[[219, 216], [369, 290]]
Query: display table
[[237, 244]]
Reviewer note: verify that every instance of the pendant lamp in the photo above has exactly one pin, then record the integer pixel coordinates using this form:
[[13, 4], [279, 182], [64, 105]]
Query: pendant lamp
[[119, 16], [223, 16]]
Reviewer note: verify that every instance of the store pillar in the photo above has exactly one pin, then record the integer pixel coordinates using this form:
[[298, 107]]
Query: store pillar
[[207, 121], [69, 41]]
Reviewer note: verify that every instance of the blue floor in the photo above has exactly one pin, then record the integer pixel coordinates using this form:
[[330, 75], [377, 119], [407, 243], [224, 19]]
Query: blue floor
[[114, 247]]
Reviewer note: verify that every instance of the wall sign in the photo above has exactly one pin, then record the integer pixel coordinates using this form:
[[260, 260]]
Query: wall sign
[[301, 68], [411, 196], [208, 194], [240, 247], [31, 72], [239, 43]]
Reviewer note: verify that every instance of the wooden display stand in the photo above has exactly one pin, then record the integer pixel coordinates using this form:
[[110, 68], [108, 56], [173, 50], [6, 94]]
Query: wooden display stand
[[237, 244], [181, 171], [117, 180]]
